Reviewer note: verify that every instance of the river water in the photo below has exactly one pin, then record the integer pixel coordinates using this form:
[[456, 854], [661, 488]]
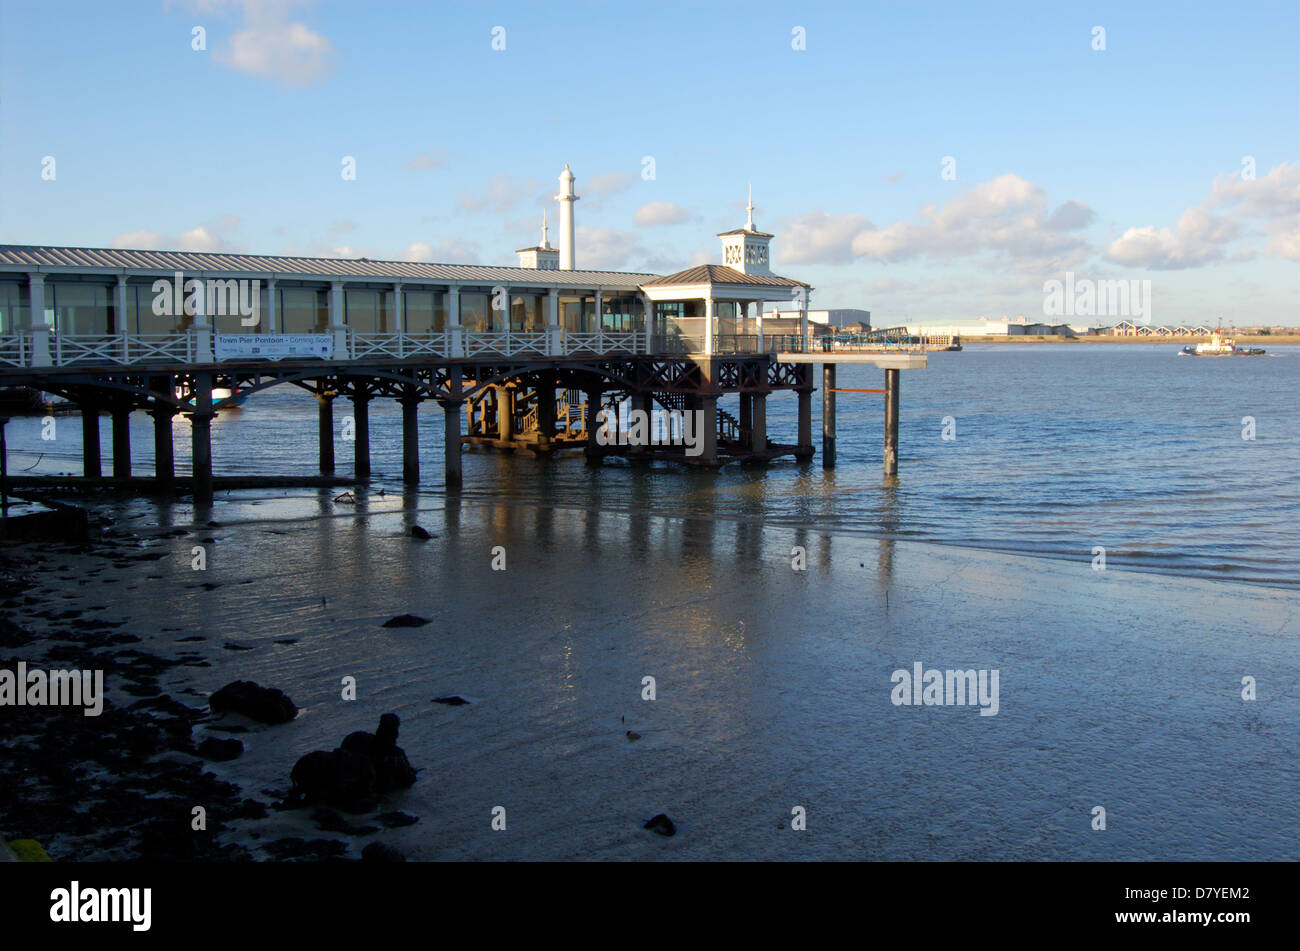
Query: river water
[[1119, 689], [1058, 448]]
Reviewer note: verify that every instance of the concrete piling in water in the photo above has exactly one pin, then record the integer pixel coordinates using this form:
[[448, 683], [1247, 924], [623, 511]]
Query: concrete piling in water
[[451, 436], [758, 422], [164, 455], [828, 416], [805, 421], [361, 437], [201, 439], [90, 466], [410, 440], [325, 431], [891, 422], [122, 440]]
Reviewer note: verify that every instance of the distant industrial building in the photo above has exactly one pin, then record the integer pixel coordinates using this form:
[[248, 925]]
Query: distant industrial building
[[843, 320]]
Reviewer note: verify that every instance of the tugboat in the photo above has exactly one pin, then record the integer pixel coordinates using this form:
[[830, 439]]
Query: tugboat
[[1219, 346]]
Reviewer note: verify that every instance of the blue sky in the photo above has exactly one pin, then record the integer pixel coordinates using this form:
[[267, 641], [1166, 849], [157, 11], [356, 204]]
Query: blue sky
[[1119, 163]]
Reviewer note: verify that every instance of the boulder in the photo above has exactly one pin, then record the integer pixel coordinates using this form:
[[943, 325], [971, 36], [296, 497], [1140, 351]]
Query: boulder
[[263, 704], [220, 751]]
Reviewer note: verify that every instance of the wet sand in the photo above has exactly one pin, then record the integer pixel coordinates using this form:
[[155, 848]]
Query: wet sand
[[1117, 688]]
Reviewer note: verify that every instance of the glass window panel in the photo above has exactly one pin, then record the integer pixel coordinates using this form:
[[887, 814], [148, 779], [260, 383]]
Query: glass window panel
[[81, 308], [474, 312], [418, 306]]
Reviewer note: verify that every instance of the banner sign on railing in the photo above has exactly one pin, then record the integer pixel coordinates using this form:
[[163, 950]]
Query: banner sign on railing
[[273, 346]]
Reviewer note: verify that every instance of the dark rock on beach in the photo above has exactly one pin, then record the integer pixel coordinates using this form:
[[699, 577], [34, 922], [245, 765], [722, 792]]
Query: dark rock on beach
[[452, 701], [220, 751], [352, 777], [263, 704], [662, 825], [379, 852], [422, 534], [406, 620]]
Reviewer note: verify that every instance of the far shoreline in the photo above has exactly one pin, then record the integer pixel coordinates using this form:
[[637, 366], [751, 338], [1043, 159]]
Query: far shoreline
[[1111, 338]]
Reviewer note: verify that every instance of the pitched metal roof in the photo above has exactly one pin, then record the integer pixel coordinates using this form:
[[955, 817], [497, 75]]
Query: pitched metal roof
[[721, 274], [116, 259]]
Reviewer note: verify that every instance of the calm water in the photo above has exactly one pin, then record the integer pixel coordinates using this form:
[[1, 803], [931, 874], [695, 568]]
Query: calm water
[[1059, 448], [1118, 688]]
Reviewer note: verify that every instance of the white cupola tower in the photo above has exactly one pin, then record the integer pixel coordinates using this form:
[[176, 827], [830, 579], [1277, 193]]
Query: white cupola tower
[[745, 249], [543, 257], [566, 198]]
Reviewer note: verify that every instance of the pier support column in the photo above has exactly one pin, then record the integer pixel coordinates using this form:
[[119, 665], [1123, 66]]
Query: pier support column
[[451, 445], [891, 421], [505, 413], [707, 404], [746, 410], [545, 413], [758, 422], [643, 403], [90, 466], [325, 432], [410, 440], [361, 437], [451, 410], [828, 416], [201, 440], [122, 441], [593, 423], [164, 455], [805, 421]]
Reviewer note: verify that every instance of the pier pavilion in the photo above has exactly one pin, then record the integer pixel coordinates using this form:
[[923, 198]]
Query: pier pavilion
[[528, 355]]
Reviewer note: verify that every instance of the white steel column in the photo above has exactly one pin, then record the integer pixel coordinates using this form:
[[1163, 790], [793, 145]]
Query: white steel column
[[708, 326], [554, 333], [399, 309], [271, 320], [338, 321], [122, 326], [36, 320], [455, 332]]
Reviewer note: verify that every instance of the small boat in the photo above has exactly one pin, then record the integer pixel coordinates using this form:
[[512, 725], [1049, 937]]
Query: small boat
[[1219, 346], [222, 398]]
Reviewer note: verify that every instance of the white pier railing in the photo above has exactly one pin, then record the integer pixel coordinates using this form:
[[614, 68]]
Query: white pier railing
[[43, 348]]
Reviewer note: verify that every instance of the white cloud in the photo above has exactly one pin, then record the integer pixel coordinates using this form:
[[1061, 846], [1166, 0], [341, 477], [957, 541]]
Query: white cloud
[[503, 194], [605, 249], [1236, 208], [602, 186], [272, 45], [658, 213], [447, 251], [819, 238], [427, 160], [206, 237]]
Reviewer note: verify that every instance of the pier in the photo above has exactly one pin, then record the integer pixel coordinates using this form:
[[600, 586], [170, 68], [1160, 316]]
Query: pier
[[539, 358]]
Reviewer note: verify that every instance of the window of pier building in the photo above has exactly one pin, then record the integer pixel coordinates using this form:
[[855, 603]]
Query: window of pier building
[[622, 313], [425, 311], [528, 312], [370, 311], [83, 308], [304, 310], [680, 326], [14, 307], [475, 312], [578, 312], [226, 302]]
